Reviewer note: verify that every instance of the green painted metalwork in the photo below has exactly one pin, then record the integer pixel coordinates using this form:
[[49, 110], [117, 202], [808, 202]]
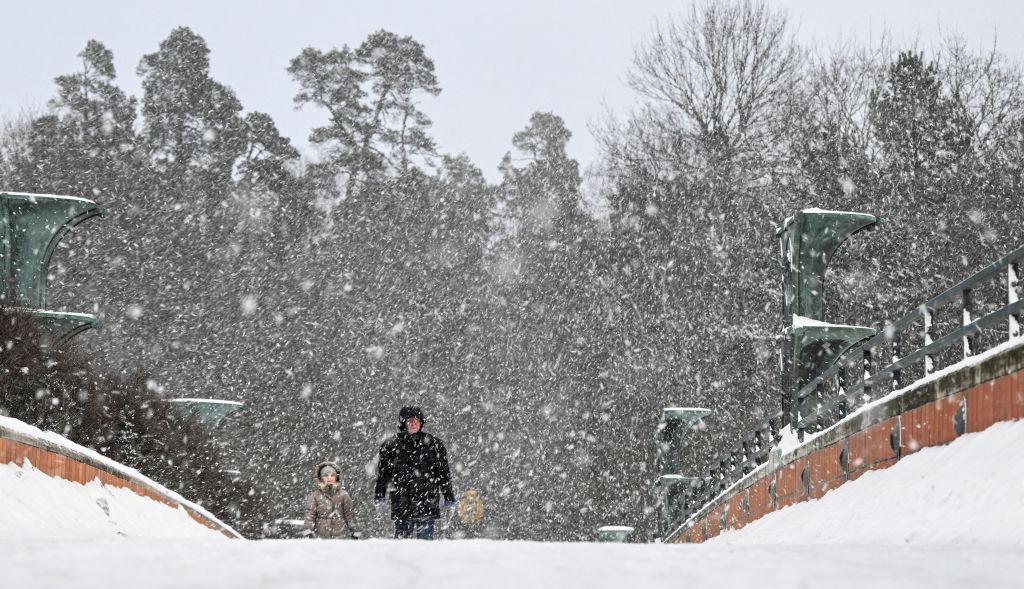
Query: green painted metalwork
[[674, 423], [208, 412], [674, 492], [815, 348], [809, 240], [613, 533], [31, 226], [61, 326]]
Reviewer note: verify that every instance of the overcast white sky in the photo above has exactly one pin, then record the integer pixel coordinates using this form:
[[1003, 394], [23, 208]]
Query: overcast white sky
[[497, 62]]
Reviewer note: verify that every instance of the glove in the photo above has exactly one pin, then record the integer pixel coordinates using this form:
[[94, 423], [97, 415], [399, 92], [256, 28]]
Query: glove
[[449, 505], [357, 535], [380, 507]]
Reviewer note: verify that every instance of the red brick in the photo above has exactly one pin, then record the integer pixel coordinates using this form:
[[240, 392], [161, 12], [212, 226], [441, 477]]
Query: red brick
[[696, 533], [856, 474], [714, 522], [789, 486], [871, 447], [735, 514], [929, 425], [826, 471], [1007, 399], [759, 500], [981, 406]]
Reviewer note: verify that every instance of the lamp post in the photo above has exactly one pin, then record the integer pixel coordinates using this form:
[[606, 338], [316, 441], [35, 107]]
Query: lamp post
[[808, 241], [672, 485]]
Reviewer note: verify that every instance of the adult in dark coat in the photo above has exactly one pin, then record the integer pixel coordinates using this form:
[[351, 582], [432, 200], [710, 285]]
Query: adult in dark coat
[[413, 467]]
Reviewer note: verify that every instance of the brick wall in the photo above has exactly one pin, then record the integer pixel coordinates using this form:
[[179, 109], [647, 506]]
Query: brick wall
[[933, 414], [54, 463]]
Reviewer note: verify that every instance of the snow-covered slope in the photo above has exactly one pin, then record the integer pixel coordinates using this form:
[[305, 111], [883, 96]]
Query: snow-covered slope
[[34, 505], [970, 492], [21, 489]]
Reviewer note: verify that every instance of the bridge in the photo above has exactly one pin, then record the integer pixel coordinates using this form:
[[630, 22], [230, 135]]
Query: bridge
[[893, 462]]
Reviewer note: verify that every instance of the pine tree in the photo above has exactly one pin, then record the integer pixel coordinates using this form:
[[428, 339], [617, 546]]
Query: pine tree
[[87, 144], [922, 132], [193, 130], [375, 127]]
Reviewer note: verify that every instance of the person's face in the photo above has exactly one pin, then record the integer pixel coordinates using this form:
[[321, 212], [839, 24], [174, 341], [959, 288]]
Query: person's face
[[412, 425], [329, 478]]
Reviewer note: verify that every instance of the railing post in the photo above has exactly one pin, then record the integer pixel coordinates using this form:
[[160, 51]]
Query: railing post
[[968, 311], [867, 373], [843, 404], [819, 396], [1011, 291], [800, 404], [897, 352], [929, 337]]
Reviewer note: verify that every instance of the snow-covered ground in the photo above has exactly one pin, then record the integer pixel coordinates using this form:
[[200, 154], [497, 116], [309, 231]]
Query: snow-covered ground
[[483, 564], [21, 431], [970, 492], [944, 517], [35, 506]]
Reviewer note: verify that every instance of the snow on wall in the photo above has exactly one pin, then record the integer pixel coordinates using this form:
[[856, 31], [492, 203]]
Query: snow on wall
[[18, 439], [37, 506], [966, 493]]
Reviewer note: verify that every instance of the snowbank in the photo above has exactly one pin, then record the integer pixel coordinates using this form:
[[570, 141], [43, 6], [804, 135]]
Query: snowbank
[[36, 506], [20, 431], [966, 493]]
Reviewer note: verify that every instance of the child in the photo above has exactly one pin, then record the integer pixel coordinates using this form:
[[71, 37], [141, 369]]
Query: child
[[330, 512]]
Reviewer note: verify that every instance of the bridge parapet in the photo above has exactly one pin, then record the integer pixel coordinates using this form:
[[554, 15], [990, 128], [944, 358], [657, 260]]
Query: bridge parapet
[[966, 397], [58, 457], [852, 386]]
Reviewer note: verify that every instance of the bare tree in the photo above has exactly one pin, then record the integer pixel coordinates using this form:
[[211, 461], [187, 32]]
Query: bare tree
[[989, 86], [725, 79]]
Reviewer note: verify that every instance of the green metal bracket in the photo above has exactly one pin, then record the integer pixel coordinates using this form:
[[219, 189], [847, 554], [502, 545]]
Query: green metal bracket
[[810, 349], [61, 326], [673, 494], [31, 226], [816, 347], [674, 422], [668, 437], [613, 533], [809, 240], [209, 412]]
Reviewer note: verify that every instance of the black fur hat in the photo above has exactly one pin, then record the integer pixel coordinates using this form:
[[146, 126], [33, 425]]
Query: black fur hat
[[406, 413]]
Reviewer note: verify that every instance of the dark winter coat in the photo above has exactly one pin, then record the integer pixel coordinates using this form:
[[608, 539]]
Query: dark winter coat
[[330, 511], [414, 468]]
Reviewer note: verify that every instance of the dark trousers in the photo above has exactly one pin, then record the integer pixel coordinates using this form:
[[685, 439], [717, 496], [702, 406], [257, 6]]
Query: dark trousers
[[422, 529]]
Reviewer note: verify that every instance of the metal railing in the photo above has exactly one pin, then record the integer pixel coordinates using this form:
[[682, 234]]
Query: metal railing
[[915, 346], [724, 470]]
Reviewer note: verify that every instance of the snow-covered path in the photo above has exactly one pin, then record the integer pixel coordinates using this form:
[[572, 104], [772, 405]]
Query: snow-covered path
[[949, 516], [496, 565]]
